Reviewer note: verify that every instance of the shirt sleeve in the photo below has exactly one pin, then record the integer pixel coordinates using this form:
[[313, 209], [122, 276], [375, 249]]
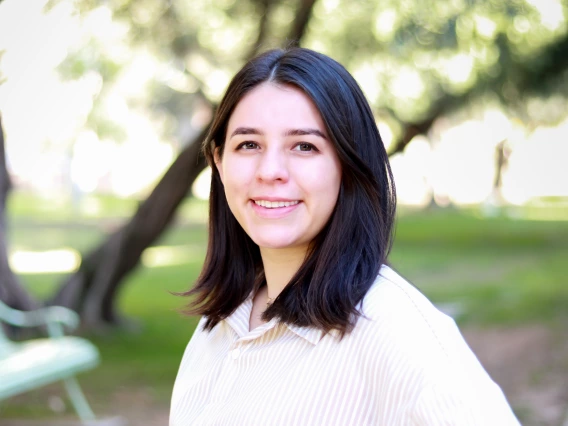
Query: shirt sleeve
[[457, 405], [443, 381], [185, 363]]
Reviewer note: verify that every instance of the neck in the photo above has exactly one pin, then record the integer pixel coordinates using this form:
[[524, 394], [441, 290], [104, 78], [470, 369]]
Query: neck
[[280, 265]]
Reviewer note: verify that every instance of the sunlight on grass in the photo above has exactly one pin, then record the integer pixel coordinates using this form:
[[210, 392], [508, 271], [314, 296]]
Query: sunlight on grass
[[66, 260], [169, 255], [44, 262]]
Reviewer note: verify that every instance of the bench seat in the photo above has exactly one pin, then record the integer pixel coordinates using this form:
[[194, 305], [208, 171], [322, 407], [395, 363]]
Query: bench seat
[[34, 363], [29, 364]]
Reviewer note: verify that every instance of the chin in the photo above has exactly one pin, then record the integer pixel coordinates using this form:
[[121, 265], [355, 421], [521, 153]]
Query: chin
[[276, 243]]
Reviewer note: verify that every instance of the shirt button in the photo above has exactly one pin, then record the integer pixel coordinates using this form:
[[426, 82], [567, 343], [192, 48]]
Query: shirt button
[[235, 353]]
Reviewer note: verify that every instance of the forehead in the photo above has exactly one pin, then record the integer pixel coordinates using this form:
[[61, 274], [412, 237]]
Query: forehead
[[274, 107]]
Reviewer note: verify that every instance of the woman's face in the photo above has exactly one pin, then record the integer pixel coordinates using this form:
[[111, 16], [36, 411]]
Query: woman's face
[[280, 172]]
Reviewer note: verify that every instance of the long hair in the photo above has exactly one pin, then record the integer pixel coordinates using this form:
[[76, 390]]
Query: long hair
[[344, 259]]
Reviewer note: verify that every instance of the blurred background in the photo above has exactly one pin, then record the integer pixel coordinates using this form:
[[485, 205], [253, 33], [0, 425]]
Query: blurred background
[[104, 105]]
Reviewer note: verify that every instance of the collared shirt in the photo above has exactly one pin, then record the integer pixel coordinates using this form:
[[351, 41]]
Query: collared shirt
[[404, 363]]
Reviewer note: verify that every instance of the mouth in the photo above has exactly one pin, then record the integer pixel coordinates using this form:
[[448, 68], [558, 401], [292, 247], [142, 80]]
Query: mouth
[[275, 204]]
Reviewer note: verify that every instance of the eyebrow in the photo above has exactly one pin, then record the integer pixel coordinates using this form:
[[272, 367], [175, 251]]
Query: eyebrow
[[303, 132], [292, 132]]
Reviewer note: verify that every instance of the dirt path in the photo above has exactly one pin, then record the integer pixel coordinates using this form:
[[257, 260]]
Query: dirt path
[[531, 366]]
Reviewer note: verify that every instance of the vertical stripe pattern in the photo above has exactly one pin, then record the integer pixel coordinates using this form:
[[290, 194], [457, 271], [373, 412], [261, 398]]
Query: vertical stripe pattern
[[405, 363]]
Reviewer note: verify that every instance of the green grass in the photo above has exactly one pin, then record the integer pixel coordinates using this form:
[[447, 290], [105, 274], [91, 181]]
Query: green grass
[[29, 205], [498, 270]]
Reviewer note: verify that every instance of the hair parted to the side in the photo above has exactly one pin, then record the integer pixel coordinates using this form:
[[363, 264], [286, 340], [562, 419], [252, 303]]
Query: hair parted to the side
[[345, 258]]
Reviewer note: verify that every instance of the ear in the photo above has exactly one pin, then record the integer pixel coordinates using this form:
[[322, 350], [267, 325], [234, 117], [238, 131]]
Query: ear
[[217, 161]]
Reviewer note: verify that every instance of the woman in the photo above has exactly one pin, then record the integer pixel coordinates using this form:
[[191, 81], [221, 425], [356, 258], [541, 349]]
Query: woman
[[303, 321]]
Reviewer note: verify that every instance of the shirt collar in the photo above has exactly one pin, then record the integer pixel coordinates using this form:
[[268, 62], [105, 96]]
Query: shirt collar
[[311, 334], [240, 318], [239, 322]]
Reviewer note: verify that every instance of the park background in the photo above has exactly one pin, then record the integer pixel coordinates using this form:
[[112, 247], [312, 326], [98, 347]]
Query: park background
[[103, 106]]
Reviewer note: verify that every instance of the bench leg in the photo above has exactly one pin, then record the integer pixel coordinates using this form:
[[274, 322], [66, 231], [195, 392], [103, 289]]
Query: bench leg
[[78, 400]]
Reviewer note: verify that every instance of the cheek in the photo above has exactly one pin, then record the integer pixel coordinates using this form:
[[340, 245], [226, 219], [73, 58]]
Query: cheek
[[236, 176], [323, 184]]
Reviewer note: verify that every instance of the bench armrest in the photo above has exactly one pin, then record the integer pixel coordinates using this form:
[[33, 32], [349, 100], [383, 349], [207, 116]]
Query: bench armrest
[[54, 317]]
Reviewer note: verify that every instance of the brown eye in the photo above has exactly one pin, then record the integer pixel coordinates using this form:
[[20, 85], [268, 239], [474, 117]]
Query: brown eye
[[247, 145], [305, 147]]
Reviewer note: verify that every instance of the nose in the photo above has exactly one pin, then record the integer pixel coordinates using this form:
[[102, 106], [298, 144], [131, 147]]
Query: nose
[[272, 167]]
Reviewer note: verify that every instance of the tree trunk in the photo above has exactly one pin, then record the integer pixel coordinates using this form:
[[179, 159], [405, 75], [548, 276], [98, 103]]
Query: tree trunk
[[11, 292], [264, 12], [92, 290]]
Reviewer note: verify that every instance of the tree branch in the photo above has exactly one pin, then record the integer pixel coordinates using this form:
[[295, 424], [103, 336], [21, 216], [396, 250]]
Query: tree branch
[[410, 131], [530, 77], [265, 7], [303, 16]]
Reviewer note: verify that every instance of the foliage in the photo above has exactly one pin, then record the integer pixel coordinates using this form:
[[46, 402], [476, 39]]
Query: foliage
[[414, 59]]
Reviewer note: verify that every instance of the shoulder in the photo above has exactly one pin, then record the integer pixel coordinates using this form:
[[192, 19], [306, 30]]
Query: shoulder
[[394, 301], [417, 344], [390, 284], [411, 331]]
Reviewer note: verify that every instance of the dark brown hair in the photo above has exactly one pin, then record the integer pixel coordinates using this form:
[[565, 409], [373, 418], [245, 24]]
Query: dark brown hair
[[345, 258]]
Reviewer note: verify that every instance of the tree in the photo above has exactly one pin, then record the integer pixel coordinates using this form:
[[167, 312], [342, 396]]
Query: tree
[[378, 41], [92, 290]]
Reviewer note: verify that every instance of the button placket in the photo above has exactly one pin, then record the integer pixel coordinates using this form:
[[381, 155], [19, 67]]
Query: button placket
[[235, 353], [229, 374]]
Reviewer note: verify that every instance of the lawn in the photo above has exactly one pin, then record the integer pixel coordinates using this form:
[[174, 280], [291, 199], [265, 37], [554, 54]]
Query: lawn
[[487, 271], [494, 270]]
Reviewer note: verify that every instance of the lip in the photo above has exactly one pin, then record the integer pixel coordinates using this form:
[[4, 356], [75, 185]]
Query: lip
[[274, 213], [272, 198]]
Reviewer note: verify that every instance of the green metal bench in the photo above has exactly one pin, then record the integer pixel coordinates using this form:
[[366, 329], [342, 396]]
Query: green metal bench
[[34, 363]]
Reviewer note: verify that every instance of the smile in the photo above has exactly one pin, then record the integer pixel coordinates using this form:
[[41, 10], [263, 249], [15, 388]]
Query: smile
[[275, 204]]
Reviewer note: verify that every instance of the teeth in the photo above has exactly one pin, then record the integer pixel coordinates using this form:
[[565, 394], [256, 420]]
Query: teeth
[[275, 204]]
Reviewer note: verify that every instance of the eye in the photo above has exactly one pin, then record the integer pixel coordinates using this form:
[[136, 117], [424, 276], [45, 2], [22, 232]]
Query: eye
[[248, 145], [305, 147]]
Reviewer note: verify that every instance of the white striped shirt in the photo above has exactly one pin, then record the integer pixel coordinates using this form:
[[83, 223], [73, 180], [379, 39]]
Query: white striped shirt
[[405, 363]]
